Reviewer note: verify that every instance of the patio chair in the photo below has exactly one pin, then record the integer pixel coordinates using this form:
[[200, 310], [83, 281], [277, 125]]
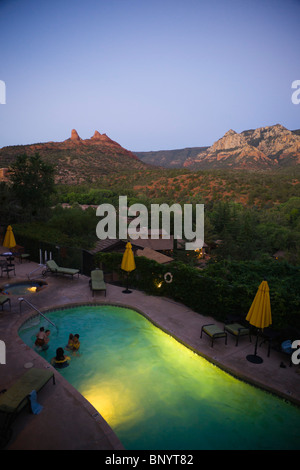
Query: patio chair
[[214, 332], [53, 268], [237, 330], [16, 398], [19, 252], [7, 268], [97, 281], [272, 337], [3, 300], [24, 256]]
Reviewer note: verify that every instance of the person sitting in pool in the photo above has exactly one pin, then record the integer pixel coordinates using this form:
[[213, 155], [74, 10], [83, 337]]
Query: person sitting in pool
[[70, 342], [46, 340], [40, 337], [76, 343], [60, 360]]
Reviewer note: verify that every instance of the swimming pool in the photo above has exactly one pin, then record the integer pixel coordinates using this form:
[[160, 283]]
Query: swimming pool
[[155, 393]]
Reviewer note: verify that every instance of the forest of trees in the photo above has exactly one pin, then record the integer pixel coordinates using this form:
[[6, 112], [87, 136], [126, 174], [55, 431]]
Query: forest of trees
[[253, 215], [248, 230]]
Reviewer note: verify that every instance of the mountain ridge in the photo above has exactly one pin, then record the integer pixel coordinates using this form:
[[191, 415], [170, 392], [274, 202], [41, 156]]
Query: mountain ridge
[[78, 160], [263, 148]]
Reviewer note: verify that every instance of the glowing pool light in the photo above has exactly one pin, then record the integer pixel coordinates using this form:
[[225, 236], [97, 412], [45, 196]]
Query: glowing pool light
[[32, 289]]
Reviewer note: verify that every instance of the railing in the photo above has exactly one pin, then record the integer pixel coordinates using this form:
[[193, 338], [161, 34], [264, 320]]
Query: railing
[[41, 266], [21, 299]]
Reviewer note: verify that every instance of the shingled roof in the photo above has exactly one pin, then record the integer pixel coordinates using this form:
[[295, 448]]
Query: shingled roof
[[154, 255]]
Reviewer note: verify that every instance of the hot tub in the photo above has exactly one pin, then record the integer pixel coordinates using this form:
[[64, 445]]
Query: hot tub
[[23, 287]]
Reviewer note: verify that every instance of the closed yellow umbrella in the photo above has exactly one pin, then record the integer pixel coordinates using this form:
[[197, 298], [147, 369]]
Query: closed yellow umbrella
[[9, 239], [128, 263], [259, 315]]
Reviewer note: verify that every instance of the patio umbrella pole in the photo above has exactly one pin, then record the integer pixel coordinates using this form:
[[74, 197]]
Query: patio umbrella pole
[[259, 316], [127, 291], [128, 264], [253, 357]]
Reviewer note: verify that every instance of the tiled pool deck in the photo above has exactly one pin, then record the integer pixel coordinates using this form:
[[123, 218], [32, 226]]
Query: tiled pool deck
[[67, 420]]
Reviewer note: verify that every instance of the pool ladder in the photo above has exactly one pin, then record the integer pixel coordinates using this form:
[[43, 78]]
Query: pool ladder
[[41, 266], [21, 299]]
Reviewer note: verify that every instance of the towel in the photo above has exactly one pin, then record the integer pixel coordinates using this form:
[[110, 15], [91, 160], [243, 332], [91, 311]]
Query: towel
[[36, 408]]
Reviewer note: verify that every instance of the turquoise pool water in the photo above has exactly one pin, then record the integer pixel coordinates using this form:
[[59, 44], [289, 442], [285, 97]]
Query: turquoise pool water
[[158, 395]]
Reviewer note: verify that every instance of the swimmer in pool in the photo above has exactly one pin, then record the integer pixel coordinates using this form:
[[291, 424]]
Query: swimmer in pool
[[40, 337], [46, 340], [76, 343], [60, 360], [70, 342]]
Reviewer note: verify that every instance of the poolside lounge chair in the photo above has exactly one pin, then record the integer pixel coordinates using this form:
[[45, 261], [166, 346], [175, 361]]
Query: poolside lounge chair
[[97, 281], [16, 398], [4, 299], [214, 332], [237, 330], [53, 268]]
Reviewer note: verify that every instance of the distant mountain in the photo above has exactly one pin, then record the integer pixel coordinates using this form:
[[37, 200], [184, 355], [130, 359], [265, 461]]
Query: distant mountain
[[277, 143], [85, 160], [256, 149], [169, 158], [77, 160]]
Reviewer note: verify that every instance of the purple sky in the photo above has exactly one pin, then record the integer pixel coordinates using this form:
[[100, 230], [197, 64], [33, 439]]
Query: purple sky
[[152, 75]]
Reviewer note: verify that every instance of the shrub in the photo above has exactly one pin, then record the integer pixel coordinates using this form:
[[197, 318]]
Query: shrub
[[222, 289]]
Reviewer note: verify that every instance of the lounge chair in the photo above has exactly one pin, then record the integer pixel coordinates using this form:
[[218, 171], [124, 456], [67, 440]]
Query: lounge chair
[[237, 330], [53, 268], [97, 281], [4, 299], [16, 398], [214, 332]]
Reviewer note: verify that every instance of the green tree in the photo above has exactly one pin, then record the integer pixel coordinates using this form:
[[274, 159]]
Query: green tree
[[32, 184], [8, 212]]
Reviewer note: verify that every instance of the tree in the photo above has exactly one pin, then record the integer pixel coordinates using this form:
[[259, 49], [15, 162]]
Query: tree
[[8, 211], [32, 184]]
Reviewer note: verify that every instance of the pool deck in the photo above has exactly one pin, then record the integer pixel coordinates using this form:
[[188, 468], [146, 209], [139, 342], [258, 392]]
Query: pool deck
[[68, 421]]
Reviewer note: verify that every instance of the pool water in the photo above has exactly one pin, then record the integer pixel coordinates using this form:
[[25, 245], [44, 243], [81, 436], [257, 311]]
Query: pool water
[[155, 393]]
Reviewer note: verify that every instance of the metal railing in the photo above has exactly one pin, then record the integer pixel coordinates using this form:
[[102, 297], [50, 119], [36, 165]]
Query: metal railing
[[41, 266], [21, 299]]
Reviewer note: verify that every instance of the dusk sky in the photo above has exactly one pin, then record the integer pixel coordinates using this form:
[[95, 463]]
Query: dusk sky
[[152, 75]]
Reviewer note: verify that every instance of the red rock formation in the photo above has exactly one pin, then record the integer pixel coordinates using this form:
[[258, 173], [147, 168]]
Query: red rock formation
[[263, 148], [76, 159], [74, 136]]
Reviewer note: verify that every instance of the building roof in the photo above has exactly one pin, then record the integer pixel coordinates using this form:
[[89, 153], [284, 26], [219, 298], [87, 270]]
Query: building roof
[[279, 254], [181, 243], [160, 244], [106, 245], [154, 255]]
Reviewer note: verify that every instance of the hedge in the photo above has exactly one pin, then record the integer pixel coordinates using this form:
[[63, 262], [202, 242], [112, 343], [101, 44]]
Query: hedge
[[221, 289]]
